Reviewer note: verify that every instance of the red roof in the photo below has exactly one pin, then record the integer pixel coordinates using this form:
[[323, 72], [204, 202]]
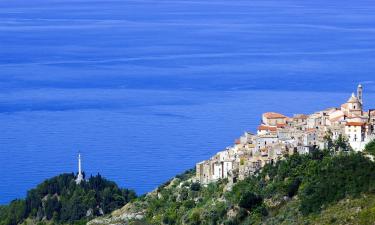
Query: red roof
[[357, 124], [273, 115], [280, 125], [267, 128]]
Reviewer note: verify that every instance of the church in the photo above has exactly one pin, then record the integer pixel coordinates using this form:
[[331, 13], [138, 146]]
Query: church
[[354, 106]]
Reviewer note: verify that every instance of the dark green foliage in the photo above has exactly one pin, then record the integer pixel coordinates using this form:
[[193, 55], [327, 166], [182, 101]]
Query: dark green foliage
[[319, 179], [195, 186], [60, 199], [52, 205], [370, 148], [341, 144], [336, 178], [293, 187], [14, 213], [249, 200]]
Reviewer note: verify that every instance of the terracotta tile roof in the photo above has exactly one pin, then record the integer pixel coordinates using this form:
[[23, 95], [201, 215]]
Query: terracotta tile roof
[[357, 124], [273, 115], [280, 125], [267, 128]]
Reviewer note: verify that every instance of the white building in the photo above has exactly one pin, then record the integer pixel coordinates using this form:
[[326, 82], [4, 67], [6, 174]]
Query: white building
[[263, 140], [356, 134]]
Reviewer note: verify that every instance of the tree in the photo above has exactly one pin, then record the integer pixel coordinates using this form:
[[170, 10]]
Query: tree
[[341, 144], [17, 212], [51, 206], [62, 200], [335, 178], [328, 140]]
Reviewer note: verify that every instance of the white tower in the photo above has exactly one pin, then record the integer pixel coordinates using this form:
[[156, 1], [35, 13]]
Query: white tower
[[360, 93], [79, 176]]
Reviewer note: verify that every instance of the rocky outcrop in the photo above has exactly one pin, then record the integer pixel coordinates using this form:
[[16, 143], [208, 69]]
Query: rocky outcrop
[[130, 212]]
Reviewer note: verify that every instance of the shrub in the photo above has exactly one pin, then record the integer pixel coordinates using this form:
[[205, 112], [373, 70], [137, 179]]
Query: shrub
[[195, 217], [195, 186], [250, 200], [293, 187], [189, 204]]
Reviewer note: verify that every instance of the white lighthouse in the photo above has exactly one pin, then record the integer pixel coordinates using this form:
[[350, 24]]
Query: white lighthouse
[[79, 176]]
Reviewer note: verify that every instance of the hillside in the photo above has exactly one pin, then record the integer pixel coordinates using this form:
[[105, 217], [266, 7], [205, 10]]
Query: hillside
[[320, 188], [60, 200]]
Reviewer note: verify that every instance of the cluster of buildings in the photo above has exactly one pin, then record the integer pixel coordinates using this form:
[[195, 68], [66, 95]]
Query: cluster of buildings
[[279, 135]]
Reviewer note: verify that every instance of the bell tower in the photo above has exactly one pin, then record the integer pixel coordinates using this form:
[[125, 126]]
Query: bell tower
[[360, 94]]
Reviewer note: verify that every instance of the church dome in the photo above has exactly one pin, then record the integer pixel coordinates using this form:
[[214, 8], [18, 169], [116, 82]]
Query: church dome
[[353, 99]]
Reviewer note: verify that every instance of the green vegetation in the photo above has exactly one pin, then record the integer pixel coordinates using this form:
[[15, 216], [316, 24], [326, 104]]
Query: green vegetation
[[370, 148], [348, 211], [302, 189], [335, 186], [61, 200]]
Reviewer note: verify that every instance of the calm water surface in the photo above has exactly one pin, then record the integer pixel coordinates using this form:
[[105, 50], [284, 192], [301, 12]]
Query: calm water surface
[[145, 89]]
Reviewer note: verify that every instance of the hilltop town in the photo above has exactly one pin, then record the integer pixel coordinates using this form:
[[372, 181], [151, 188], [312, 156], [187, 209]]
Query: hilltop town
[[336, 184], [279, 135]]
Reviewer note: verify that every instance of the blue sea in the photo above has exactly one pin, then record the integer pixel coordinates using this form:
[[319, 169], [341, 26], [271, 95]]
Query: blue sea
[[144, 89]]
